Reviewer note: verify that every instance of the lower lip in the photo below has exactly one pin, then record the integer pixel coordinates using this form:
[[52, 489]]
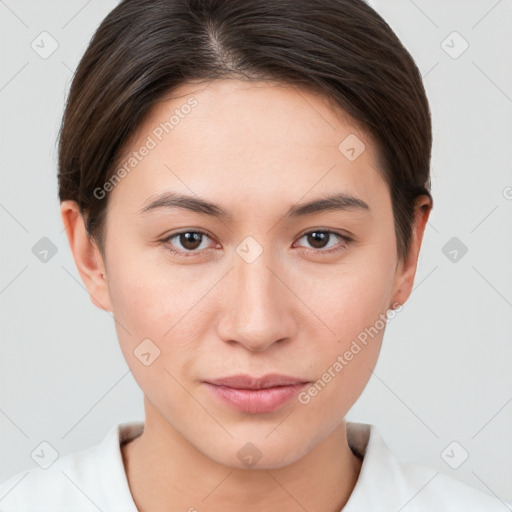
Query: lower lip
[[256, 400]]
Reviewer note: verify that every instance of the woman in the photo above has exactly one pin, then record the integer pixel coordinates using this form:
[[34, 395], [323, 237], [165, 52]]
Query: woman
[[245, 185]]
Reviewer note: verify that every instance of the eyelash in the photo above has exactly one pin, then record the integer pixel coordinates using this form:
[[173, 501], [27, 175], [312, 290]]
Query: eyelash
[[187, 254]]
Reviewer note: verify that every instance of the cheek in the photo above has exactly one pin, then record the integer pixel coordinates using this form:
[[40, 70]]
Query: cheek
[[351, 298], [355, 309], [148, 293], [155, 300], [154, 342], [352, 303]]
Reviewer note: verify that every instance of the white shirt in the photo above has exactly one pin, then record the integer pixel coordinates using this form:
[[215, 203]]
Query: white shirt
[[95, 480]]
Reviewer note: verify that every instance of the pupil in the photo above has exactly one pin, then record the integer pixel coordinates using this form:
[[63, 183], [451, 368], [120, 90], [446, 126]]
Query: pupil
[[318, 239], [190, 240]]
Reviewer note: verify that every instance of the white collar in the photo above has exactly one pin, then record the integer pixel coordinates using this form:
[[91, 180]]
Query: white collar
[[95, 478]]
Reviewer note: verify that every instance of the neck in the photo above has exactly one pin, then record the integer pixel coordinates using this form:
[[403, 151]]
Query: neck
[[166, 473]]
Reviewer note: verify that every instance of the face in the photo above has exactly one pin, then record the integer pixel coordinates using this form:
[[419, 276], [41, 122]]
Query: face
[[254, 285]]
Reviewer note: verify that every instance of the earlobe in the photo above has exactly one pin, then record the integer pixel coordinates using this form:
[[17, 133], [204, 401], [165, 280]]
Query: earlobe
[[406, 270], [86, 254]]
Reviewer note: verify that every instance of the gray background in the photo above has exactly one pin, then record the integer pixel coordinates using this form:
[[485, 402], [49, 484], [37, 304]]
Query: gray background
[[444, 371]]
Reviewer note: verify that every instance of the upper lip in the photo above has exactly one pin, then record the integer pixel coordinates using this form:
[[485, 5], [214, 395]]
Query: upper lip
[[243, 381]]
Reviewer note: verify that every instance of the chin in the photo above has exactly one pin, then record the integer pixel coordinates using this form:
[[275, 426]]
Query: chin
[[261, 453]]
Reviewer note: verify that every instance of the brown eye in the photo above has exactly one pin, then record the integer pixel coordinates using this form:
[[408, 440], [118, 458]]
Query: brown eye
[[318, 239], [186, 243], [190, 240], [325, 241]]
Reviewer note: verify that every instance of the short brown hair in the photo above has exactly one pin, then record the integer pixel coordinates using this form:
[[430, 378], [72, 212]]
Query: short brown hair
[[343, 49]]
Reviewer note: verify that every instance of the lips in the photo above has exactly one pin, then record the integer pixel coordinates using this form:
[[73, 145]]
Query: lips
[[250, 394], [248, 382]]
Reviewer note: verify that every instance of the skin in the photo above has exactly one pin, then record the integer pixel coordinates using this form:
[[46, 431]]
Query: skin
[[256, 149]]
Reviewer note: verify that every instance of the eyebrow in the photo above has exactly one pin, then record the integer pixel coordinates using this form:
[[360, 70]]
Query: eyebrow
[[333, 202]]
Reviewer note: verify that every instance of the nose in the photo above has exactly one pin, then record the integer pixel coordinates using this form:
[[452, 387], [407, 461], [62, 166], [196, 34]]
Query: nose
[[258, 309]]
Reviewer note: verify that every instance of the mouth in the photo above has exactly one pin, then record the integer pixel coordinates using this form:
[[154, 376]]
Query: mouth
[[256, 395]]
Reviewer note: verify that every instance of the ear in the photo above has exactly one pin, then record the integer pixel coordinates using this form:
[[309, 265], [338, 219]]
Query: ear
[[87, 255], [406, 270]]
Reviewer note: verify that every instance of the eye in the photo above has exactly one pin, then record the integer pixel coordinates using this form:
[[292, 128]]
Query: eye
[[190, 241], [320, 239]]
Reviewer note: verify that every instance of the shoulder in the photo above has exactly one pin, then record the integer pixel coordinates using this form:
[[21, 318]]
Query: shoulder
[[427, 489], [69, 481], [387, 483], [88, 480]]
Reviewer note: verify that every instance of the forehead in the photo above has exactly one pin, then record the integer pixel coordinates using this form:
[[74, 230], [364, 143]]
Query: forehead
[[247, 141]]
